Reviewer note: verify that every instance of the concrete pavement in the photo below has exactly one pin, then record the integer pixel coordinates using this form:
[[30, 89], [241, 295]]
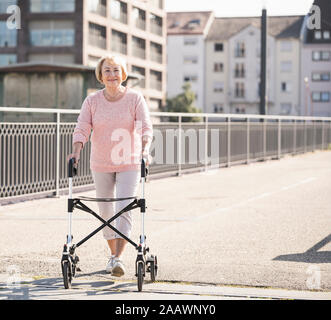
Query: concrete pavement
[[243, 232]]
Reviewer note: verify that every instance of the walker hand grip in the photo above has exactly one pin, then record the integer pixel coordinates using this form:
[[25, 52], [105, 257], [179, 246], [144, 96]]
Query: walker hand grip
[[72, 170], [144, 170]]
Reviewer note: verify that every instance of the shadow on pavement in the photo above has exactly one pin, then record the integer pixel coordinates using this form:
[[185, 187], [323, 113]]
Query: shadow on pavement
[[312, 255]]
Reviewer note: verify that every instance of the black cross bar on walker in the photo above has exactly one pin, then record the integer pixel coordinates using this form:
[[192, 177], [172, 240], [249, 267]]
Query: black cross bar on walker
[[76, 203]]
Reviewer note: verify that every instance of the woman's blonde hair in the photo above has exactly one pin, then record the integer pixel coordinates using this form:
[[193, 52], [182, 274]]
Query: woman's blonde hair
[[116, 60]]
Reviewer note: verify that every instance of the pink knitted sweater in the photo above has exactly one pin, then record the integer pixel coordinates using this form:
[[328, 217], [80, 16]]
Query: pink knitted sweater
[[117, 130]]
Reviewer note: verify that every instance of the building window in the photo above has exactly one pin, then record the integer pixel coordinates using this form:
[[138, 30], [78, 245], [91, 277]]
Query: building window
[[218, 47], [119, 41], [155, 24], [138, 47], [218, 86], [8, 37], [320, 76], [218, 67], [285, 46], [139, 18], [193, 24], [321, 55], [98, 6], [190, 60], [6, 59], [97, 36], [190, 78], [286, 66], [286, 87], [240, 50], [321, 96], [52, 6], [156, 52], [119, 11], [240, 90], [141, 71], [156, 80], [240, 110], [326, 35], [285, 108], [52, 33], [239, 71], [190, 41], [218, 108]]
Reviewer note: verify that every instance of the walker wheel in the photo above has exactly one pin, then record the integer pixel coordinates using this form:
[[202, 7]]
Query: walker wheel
[[140, 276], [153, 268], [67, 276]]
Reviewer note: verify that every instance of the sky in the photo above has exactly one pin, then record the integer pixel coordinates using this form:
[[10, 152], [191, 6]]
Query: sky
[[234, 8]]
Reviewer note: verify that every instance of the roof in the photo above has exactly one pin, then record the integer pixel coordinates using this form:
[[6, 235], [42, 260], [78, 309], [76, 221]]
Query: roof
[[194, 22], [54, 67], [44, 67], [325, 11], [278, 26]]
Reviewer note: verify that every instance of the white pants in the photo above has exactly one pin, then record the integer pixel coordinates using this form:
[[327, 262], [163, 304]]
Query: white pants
[[116, 185]]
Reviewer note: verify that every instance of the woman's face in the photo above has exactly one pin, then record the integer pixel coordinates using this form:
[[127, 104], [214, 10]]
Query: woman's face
[[111, 74]]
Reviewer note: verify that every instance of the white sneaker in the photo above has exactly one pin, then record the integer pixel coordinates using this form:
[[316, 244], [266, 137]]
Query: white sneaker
[[110, 264], [118, 268]]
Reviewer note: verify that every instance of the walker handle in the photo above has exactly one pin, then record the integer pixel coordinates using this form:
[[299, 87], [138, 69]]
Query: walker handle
[[72, 170], [144, 170]]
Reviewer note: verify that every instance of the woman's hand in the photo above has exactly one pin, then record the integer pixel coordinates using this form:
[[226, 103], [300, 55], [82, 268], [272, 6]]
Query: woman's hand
[[77, 147], [76, 156], [147, 157]]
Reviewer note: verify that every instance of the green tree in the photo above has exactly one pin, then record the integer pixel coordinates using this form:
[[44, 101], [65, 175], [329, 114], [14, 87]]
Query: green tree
[[183, 102]]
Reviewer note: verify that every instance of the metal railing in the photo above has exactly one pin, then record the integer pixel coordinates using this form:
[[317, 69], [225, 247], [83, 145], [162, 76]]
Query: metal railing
[[33, 155]]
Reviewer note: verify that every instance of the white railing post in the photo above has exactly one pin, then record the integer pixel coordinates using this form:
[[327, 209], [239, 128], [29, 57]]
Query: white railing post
[[264, 139], [279, 138], [294, 136], [248, 140], [322, 135], [179, 148], [57, 177], [305, 136], [229, 142], [206, 143]]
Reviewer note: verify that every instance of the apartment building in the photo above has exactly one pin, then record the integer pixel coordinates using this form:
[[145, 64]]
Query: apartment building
[[186, 33], [233, 49], [316, 64], [81, 31]]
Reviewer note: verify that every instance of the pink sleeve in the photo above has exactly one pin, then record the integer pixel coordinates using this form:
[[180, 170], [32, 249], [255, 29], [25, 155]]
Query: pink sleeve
[[84, 123], [143, 118]]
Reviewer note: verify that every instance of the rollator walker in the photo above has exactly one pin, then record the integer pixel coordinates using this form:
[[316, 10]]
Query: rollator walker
[[144, 262]]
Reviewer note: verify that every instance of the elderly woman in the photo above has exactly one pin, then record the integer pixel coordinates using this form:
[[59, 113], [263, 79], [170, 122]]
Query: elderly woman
[[122, 134]]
